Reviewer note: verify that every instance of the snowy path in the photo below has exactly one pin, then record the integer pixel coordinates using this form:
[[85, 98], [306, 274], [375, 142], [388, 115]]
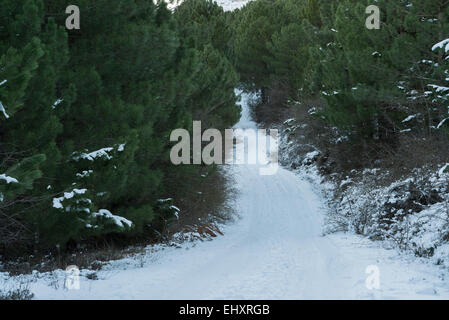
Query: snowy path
[[275, 251]]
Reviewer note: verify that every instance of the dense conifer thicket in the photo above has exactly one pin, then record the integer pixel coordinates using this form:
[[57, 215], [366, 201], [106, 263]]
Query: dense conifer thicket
[[85, 115], [370, 80]]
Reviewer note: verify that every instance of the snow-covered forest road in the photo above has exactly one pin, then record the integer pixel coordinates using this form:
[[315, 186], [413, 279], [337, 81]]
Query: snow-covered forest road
[[274, 251], [86, 113]]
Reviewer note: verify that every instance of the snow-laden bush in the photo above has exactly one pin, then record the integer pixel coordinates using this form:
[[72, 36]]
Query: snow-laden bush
[[411, 213], [405, 209]]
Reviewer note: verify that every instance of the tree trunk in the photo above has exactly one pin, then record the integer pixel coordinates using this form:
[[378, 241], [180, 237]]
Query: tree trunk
[[264, 95]]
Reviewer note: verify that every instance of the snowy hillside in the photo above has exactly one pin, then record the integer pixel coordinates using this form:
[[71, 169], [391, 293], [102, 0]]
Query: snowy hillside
[[230, 5]]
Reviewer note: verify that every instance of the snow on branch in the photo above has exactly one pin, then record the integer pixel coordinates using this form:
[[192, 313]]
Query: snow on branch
[[409, 118], [439, 89], [119, 221], [8, 179], [56, 103], [443, 169], [91, 156], [57, 202], [3, 110], [101, 153], [441, 123], [442, 44]]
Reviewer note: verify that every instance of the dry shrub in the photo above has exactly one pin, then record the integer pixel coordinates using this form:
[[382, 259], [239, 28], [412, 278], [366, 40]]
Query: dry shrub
[[87, 258], [418, 150], [196, 232], [207, 199], [22, 293]]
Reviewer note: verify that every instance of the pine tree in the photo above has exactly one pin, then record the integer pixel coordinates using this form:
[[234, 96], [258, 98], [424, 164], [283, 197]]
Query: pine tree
[[205, 34], [255, 25], [20, 164], [272, 44], [361, 73], [121, 66], [289, 55], [425, 78]]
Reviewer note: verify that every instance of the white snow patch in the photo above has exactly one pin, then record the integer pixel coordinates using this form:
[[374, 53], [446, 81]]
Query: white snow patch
[[121, 147], [3, 110], [441, 171], [441, 123], [409, 118], [439, 89], [8, 179], [56, 103], [84, 174], [101, 153], [119, 221], [231, 5], [57, 202], [442, 45]]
